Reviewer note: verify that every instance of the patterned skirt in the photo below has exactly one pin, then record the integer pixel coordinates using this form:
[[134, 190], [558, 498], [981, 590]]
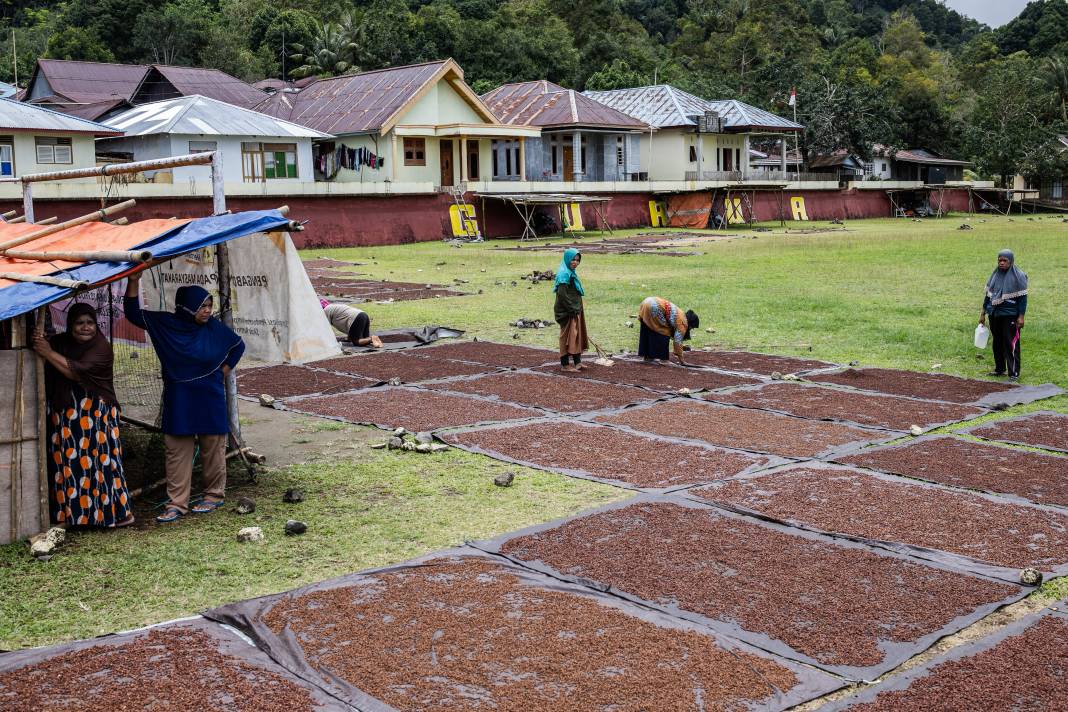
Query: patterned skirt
[[85, 463]]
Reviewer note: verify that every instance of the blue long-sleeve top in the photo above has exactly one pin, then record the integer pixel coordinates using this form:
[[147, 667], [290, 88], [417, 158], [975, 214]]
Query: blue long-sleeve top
[[196, 407], [1009, 307]]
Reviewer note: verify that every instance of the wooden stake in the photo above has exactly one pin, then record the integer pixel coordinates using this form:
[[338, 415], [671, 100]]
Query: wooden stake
[[86, 256], [81, 220]]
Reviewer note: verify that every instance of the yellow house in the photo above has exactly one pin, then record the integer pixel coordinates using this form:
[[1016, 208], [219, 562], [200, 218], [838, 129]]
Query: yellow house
[[413, 126]]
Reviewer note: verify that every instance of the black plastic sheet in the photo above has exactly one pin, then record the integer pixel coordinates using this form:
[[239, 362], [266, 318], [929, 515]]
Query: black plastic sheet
[[289, 650]]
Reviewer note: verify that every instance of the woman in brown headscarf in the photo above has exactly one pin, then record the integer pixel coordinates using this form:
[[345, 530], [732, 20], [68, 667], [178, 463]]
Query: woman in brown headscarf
[[85, 453]]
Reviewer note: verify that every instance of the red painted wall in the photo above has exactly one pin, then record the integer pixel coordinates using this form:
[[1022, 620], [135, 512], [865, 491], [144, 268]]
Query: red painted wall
[[401, 219]]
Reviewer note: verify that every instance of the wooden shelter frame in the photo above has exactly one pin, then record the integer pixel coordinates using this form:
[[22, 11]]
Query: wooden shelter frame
[[526, 204]]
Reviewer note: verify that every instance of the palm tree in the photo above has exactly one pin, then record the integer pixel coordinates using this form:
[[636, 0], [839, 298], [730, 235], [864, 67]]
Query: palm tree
[[1055, 77], [332, 52]]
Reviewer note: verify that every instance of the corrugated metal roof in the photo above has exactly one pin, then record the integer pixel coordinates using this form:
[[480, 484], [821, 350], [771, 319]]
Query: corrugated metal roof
[[211, 83], [352, 104], [545, 104], [665, 106], [919, 155], [203, 115], [19, 116], [91, 110], [91, 81]]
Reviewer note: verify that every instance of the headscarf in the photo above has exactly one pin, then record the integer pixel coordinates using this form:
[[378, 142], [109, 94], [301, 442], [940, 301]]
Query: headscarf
[[91, 362], [323, 303], [188, 350], [566, 275], [1010, 284]]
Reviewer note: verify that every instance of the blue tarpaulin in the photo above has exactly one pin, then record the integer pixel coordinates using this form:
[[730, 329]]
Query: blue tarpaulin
[[193, 235]]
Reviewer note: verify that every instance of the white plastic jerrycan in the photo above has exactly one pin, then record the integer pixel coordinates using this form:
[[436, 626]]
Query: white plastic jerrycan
[[982, 336]]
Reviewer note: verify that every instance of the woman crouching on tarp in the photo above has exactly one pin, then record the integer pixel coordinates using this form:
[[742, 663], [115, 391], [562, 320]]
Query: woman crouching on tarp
[[196, 351], [84, 450], [569, 313]]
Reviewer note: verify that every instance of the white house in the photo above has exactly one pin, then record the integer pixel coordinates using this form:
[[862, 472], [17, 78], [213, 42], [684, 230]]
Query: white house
[[255, 148], [38, 140]]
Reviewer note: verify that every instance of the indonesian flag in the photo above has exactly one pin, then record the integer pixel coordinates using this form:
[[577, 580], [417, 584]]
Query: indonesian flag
[[793, 96]]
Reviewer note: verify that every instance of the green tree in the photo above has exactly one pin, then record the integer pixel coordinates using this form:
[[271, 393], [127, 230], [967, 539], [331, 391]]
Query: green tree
[[1055, 78], [617, 75], [330, 53], [174, 33], [388, 35], [79, 43], [115, 20]]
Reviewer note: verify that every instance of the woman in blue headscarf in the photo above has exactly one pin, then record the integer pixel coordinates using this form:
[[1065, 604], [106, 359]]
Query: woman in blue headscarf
[[1005, 303], [568, 311], [196, 352]]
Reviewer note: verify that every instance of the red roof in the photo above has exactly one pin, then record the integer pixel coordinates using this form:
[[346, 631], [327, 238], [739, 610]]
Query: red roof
[[362, 103], [545, 104], [212, 83], [90, 81]]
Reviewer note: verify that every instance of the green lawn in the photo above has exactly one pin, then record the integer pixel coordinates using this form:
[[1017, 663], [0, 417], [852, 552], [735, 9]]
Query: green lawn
[[882, 292]]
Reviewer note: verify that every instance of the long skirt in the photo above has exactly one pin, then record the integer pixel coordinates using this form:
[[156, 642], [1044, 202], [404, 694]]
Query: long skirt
[[652, 344], [85, 463], [573, 339]]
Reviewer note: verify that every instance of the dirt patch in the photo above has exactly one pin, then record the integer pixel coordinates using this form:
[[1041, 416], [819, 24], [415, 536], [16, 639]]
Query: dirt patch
[[868, 506], [893, 412], [564, 395], [176, 667], [665, 378], [1035, 476], [935, 386], [838, 605], [286, 381], [372, 290], [1024, 671], [750, 362], [607, 454], [1048, 430], [470, 634], [410, 368], [742, 428], [412, 409], [287, 438], [492, 354]]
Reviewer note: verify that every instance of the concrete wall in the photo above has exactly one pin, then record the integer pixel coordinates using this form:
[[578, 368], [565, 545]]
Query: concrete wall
[[83, 153]]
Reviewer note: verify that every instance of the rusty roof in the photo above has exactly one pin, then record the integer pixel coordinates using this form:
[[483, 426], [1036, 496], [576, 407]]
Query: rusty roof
[[549, 105], [90, 81], [20, 116], [665, 106], [367, 102], [212, 83]]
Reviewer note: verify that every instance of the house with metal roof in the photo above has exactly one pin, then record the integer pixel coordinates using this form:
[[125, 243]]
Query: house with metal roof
[[34, 139], [97, 90], [695, 139], [581, 139], [419, 124], [255, 148]]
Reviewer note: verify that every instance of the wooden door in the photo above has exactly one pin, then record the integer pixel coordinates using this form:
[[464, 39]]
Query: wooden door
[[446, 163], [569, 163], [472, 160]]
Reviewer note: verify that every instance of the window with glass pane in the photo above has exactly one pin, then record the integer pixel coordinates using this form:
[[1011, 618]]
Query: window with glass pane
[[202, 146], [54, 149], [7, 157]]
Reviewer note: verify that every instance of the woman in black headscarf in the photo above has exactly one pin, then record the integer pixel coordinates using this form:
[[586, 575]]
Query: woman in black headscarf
[[1006, 304], [85, 452]]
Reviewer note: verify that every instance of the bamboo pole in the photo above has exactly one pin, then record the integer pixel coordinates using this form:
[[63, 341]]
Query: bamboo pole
[[9, 214], [45, 279], [83, 256], [22, 219], [81, 220], [42, 429], [120, 221], [114, 169]]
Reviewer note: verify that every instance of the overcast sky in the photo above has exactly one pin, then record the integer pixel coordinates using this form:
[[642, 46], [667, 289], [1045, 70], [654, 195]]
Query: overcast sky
[[993, 12]]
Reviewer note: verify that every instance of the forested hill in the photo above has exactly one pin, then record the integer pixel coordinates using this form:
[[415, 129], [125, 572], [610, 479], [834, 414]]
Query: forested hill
[[899, 72]]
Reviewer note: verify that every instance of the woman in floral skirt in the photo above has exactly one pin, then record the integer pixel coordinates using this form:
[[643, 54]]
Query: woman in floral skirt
[[85, 452]]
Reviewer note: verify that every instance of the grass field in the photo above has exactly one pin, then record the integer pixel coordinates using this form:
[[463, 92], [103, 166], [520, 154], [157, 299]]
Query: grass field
[[882, 292]]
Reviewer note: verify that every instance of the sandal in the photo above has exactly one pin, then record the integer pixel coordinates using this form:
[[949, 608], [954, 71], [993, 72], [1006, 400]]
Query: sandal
[[171, 514], [126, 522], [206, 507]]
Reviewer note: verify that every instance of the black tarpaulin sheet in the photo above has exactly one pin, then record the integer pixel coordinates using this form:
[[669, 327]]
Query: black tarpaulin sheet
[[989, 430], [894, 653], [405, 337], [958, 679], [945, 558], [649, 442], [487, 670], [80, 675]]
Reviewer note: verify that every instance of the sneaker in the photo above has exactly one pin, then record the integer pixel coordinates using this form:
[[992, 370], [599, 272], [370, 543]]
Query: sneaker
[[1014, 379]]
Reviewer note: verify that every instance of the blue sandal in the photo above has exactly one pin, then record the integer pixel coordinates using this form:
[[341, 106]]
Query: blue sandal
[[206, 507], [169, 515]]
